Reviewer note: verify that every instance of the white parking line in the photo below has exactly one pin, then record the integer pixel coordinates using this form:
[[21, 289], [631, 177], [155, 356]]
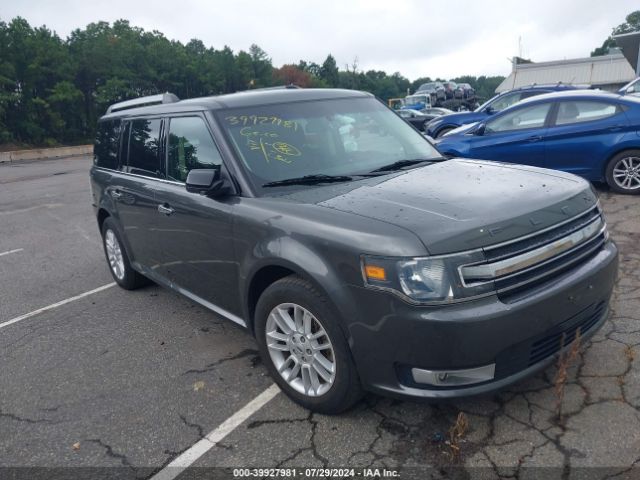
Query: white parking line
[[55, 305], [2, 254], [187, 458]]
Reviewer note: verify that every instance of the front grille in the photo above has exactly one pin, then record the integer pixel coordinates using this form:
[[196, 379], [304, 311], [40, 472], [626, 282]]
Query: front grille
[[531, 260], [552, 344]]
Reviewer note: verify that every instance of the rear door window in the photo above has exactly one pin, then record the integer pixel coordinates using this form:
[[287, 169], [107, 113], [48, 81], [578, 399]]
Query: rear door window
[[584, 111], [144, 148]]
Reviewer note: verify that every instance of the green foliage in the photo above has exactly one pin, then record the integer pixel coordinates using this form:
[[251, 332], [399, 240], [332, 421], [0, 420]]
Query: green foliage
[[631, 24], [53, 90]]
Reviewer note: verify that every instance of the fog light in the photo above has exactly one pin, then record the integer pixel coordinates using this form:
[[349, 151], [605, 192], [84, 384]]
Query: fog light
[[451, 378]]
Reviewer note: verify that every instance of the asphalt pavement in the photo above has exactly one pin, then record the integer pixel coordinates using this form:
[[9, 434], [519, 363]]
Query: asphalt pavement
[[134, 379]]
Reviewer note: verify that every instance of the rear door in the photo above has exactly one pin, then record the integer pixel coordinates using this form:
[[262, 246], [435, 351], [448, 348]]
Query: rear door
[[516, 136], [581, 135], [132, 189], [195, 231]]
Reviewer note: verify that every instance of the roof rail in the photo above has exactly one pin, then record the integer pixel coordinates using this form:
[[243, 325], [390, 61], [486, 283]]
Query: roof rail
[[143, 102]]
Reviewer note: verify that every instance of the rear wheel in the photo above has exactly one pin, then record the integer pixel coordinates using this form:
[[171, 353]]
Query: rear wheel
[[118, 260], [623, 172], [304, 347]]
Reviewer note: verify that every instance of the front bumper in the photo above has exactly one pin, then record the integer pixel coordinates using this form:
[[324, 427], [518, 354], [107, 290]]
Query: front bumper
[[520, 335]]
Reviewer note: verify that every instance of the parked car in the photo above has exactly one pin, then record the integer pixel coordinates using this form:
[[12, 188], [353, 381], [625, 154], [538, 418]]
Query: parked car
[[449, 89], [437, 111], [415, 118], [464, 91], [435, 89], [357, 263], [590, 133], [442, 125]]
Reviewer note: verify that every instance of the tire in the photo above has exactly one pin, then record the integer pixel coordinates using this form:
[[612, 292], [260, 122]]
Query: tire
[[443, 131], [292, 348], [623, 172], [118, 260]]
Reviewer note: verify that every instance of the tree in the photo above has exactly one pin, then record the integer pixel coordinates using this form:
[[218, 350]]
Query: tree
[[329, 71], [631, 24]]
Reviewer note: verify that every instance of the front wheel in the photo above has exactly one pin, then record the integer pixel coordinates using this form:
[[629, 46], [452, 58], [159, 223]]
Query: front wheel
[[623, 172], [304, 347]]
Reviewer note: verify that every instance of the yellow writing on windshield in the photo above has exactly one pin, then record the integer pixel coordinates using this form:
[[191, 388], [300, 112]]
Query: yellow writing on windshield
[[245, 120], [280, 151]]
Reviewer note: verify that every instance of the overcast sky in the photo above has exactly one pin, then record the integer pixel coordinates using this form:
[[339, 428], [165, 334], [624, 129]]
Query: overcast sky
[[417, 38]]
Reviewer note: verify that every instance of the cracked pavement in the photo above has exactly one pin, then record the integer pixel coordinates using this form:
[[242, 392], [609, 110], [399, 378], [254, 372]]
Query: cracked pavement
[[132, 379]]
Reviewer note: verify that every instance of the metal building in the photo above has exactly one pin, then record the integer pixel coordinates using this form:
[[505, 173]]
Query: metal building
[[608, 72]]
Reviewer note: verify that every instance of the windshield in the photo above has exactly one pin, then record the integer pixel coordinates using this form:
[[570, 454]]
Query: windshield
[[486, 104], [346, 136], [427, 86]]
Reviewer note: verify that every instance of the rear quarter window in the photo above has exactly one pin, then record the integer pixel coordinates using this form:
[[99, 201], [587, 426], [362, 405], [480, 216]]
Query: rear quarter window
[[105, 149]]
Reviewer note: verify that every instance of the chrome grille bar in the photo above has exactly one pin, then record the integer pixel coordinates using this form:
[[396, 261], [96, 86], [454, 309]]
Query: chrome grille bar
[[474, 274]]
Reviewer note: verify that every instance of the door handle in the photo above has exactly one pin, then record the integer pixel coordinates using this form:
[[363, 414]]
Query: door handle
[[535, 138], [616, 128], [165, 209], [116, 194]]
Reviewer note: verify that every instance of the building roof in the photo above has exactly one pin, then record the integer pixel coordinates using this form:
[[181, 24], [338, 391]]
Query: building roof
[[592, 71]]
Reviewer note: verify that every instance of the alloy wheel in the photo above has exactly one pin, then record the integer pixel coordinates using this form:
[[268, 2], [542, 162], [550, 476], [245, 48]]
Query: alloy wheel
[[114, 254], [626, 173], [300, 349]]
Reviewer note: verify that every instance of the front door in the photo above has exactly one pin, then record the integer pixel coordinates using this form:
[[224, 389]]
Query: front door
[[195, 231], [515, 136]]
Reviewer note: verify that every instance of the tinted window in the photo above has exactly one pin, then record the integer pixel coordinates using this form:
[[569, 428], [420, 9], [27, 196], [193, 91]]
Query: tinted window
[[520, 119], [190, 146], [576, 112], [105, 150], [144, 146]]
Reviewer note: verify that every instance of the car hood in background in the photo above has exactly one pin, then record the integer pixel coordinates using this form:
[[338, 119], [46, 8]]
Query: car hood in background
[[461, 118], [462, 204]]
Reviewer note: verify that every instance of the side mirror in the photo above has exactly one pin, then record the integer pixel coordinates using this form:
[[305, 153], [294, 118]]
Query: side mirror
[[489, 110], [480, 129], [208, 181]]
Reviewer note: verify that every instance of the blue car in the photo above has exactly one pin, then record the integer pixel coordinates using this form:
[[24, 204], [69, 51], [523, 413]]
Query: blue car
[[442, 125], [589, 133]]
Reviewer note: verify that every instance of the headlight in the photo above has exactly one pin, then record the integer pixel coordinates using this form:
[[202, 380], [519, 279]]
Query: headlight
[[427, 280]]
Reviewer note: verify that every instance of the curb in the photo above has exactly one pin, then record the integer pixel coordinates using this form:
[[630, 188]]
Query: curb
[[44, 153]]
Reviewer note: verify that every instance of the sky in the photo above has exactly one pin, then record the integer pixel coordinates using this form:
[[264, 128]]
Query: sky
[[416, 38]]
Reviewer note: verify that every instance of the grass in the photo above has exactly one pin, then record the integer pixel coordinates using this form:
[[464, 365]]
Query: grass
[[565, 360]]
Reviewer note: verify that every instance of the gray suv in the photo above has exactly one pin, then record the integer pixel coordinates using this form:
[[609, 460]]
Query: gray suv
[[356, 255]]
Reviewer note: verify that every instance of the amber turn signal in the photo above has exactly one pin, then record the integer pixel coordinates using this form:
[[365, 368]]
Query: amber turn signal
[[375, 273]]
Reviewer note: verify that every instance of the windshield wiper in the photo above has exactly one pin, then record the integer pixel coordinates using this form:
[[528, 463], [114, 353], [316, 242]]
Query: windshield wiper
[[405, 163], [309, 180]]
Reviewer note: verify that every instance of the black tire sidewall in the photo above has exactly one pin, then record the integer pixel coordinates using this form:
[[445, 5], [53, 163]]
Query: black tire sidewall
[[609, 172], [345, 390], [443, 131]]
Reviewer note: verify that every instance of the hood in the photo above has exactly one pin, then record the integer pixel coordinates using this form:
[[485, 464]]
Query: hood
[[462, 129], [461, 118], [460, 204]]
